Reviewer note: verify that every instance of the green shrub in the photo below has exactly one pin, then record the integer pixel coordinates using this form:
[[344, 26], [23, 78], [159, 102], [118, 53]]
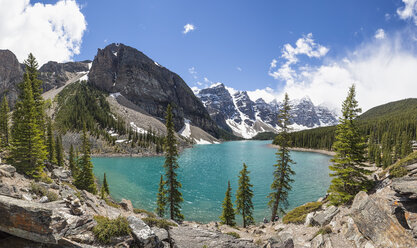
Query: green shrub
[[45, 179], [233, 234], [107, 228], [298, 214], [397, 169], [161, 223], [52, 196], [323, 230], [143, 211], [38, 189]]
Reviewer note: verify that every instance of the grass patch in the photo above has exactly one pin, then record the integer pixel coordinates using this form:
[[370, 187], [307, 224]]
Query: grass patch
[[106, 228], [161, 223], [298, 214], [45, 179], [52, 196], [143, 211], [111, 203], [323, 230], [233, 234]]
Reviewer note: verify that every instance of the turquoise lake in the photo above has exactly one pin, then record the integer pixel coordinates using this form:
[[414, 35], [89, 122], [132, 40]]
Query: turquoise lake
[[204, 172]]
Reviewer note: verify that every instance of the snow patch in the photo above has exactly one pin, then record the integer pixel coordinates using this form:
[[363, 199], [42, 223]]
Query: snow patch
[[157, 64], [115, 95], [84, 77], [215, 85], [115, 54], [121, 141], [186, 130], [89, 65], [202, 142], [138, 129]]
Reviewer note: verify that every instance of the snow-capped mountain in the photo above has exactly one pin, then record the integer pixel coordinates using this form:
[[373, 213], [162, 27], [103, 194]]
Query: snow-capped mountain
[[234, 111]]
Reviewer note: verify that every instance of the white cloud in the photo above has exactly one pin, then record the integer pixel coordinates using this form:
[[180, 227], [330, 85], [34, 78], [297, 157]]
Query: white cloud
[[382, 70], [193, 72], [289, 57], [267, 94], [380, 34], [239, 68], [409, 11], [188, 28], [49, 31]]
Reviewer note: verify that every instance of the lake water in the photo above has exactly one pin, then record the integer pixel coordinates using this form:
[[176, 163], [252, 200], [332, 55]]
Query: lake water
[[204, 172]]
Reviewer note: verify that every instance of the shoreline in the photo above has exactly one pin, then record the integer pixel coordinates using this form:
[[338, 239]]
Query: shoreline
[[300, 149]]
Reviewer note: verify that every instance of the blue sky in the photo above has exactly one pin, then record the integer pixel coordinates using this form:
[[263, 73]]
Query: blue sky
[[316, 48], [231, 34]]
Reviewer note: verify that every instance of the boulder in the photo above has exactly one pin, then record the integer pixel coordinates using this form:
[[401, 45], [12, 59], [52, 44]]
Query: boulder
[[30, 220], [374, 219], [27, 197], [324, 217], [126, 205], [61, 174], [309, 218], [43, 199], [7, 170], [405, 186], [161, 233], [143, 234]]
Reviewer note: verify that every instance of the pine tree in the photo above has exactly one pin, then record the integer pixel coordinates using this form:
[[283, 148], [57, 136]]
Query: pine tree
[[174, 196], [283, 172], [85, 179], [244, 195], [4, 122], [50, 142], [32, 70], [72, 162], [59, 151], [161, 199], [28, 150], [378, 157], [106, 185], [386, 150], [348, 163], [228, 213], [406, 147]]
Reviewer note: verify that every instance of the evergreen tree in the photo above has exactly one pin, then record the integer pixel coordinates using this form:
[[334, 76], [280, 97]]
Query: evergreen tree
[[72, 162], [174, 196], [378, 157], [50, 142], [28, 150], [161, 198], [244, 195], [32, 69], [85, 179], [106, 185], [4, 122], [406, 147], [228, 213], [59, 151], [282, 172], [348, 163], [386, 150]]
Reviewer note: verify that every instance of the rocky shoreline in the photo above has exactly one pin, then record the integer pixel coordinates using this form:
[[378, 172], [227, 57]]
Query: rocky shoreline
[[59, 215], [300, 149]]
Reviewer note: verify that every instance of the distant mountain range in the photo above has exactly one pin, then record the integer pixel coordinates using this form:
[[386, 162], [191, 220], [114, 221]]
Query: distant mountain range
[[235, 112], [141, 84]]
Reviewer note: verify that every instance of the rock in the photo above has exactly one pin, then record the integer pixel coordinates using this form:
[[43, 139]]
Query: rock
[[27, 197], [161, 233], [6, 190], [142, 233], [405, 186], [122, 69], [282, 241], [61, 174], [318, 241], [324, 217], [309, 218], [43, 199], [126, 205], [374, 219], [30, 220], [8, 168]]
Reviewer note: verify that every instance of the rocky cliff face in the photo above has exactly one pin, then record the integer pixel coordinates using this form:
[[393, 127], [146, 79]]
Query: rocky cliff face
[[234, 110], [52, 74], [55, 75], [125, 70], [11, 73]]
